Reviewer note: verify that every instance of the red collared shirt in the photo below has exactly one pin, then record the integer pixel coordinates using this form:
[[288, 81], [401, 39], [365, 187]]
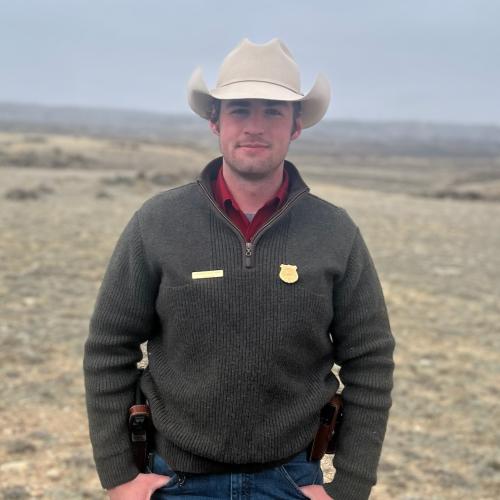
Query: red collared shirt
[[228, 205]]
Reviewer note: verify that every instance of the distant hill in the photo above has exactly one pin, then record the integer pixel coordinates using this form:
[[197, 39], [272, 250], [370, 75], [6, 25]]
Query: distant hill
[[328, 137]]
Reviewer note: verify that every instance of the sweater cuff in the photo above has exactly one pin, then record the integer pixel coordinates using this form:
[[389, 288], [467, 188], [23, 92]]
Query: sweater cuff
[[346, 487], [116, 469]]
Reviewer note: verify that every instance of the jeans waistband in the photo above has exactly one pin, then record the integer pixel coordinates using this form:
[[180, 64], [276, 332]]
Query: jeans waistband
[[300, 457]]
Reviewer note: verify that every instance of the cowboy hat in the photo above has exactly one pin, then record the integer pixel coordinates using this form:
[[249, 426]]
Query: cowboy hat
[[260, 71]]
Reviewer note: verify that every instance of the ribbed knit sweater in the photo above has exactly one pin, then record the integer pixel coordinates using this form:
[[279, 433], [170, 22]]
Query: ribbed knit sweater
[[240, 364]]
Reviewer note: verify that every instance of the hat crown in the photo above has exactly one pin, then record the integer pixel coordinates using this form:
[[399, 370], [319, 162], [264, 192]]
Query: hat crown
[[270, 62], [260, 71]]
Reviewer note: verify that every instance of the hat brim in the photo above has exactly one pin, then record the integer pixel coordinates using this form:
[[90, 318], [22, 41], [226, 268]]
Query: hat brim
[[313, 108]]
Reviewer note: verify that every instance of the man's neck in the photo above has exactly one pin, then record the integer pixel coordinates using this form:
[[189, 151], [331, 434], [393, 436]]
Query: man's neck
[[252, 194]]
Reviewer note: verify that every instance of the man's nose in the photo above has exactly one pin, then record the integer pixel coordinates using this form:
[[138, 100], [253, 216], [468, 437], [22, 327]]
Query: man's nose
[[255, 123]]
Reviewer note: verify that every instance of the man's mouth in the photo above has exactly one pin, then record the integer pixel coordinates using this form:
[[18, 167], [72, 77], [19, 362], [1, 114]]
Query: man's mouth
[[253, 145]]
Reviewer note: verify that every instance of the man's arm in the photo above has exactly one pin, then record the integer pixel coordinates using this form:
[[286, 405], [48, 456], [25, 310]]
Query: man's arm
[[363, 347], [123, 318]]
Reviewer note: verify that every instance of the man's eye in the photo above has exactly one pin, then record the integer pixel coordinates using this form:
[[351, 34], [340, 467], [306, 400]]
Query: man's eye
[[239, 111], [273, 112]]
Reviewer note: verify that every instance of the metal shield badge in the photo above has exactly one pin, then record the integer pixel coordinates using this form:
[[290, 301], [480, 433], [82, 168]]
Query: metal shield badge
[[288, 273]]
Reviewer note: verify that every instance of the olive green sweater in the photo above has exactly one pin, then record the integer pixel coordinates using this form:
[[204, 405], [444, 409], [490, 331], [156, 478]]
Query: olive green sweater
[[239, 364]]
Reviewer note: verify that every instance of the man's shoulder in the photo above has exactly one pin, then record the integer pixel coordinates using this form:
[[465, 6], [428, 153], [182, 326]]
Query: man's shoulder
[[170, 209], [178, 197], [321, 209], [323, 204]]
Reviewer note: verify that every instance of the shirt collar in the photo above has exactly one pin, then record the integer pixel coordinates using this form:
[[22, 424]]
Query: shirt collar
[[223, 195]]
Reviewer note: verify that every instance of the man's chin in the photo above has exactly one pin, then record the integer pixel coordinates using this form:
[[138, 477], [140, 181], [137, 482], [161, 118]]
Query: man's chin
[[249, 169], [252, 174]]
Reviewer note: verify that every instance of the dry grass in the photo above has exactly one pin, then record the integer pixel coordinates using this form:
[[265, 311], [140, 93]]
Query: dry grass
[[438, 260]]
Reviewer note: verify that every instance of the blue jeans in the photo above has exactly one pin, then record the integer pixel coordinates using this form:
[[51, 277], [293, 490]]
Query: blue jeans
[[279, 483]]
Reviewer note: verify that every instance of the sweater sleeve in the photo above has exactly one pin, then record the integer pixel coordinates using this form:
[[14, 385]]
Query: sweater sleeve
[[123, 318], [363, 347]]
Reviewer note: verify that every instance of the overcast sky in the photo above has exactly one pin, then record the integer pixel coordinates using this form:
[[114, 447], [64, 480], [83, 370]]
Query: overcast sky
[[386, 59]]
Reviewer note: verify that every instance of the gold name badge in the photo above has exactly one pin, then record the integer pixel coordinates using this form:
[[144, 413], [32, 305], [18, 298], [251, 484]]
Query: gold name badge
[[288, 273], [199, 275]]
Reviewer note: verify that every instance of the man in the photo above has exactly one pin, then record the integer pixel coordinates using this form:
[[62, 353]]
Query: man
[[247, 288]]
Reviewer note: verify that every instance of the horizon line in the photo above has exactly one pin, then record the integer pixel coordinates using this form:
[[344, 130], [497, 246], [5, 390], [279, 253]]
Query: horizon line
[[191, 114]]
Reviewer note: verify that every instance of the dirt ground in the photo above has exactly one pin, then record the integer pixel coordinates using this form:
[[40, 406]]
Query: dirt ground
[[439, 263]]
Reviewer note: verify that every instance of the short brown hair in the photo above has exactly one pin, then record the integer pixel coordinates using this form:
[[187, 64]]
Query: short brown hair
[[215, 111]]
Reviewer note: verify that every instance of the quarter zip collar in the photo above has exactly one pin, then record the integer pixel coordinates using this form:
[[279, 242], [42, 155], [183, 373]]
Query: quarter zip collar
[[297, 188]]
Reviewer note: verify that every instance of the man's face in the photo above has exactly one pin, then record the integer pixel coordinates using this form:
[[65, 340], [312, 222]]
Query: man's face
[[254, 135]]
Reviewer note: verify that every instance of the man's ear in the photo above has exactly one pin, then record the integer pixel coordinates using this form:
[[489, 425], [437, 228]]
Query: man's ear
[[214, 127], [297, 129]]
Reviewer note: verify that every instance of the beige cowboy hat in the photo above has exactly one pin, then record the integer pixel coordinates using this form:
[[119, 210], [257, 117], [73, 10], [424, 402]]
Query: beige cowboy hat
[[260, 71]]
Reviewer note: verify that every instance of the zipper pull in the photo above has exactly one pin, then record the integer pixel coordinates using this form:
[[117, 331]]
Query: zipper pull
[[248, 254]]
